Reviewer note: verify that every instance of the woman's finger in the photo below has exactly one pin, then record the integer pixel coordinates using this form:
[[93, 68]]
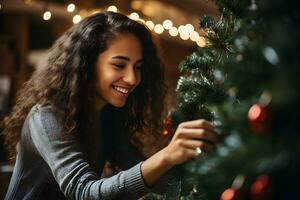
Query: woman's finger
[[199, 123], [200, 134]]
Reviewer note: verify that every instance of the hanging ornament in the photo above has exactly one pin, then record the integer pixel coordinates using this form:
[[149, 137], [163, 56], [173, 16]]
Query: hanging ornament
[[229, 194], [261, 188], [258, 117]]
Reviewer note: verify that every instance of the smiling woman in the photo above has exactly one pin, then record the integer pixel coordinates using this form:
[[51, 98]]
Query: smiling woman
[[105, 65], [118, 70]]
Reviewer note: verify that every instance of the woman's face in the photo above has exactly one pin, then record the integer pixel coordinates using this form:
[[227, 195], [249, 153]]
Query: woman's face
[[118, 70]]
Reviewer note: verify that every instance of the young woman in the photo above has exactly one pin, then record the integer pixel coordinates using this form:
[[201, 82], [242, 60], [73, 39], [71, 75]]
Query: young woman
[[107, 64]]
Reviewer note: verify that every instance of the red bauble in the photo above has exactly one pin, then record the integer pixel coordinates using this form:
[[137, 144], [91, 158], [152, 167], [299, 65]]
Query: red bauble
[[229, 194], [260, 189], [258, 117]]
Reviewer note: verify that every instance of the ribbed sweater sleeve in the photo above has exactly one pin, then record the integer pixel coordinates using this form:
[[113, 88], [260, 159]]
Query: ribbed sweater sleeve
[[61, 152]]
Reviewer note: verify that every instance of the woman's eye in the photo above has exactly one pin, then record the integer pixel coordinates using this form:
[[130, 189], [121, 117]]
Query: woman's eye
[[119, 65], [138, 67]]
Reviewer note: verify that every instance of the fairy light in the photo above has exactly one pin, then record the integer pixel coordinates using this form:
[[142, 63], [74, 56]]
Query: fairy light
[[112, 8], [134, 16], [194, 36], [141, 20], [76, 19], [150, 24], [71, 7], [184, 36], [167, 24], [158, 28], [201, 42], [190, 28], [183, 31], [173, 31], [47, 15]]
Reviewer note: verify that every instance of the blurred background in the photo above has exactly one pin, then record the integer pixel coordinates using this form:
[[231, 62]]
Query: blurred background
[[28, 29]]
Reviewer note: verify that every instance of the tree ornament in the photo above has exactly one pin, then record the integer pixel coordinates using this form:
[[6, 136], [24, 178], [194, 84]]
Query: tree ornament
[[260, 189], [258, 118], [229, 194]]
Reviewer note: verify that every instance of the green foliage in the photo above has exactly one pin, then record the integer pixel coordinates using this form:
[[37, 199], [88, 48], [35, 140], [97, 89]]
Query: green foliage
[[251, 57]]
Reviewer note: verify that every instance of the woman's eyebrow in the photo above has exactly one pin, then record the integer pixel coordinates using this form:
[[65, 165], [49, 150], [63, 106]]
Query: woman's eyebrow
[[121, 57], [125, 58]]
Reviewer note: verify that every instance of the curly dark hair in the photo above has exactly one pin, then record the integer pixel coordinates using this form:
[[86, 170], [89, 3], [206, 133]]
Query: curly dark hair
[[67, 82]]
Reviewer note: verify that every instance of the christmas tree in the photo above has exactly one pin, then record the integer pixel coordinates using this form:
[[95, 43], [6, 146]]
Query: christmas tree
[[246, 82]]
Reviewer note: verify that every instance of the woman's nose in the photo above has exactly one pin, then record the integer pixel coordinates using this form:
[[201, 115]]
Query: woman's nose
[[130, 77]]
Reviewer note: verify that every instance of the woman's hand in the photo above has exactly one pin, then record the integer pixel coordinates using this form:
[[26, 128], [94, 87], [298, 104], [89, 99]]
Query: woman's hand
[[188, 136]]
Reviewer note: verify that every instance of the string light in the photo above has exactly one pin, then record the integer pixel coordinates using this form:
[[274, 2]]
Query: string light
[[201, 42], [141, 20], [184, 36], [173, 31], [112, 8], [150, 25], [185, 31], [190, 28], [47, 15], [167, 24], [76, 19], [194, 36], [71, 7], [158, 28], [134, 16]]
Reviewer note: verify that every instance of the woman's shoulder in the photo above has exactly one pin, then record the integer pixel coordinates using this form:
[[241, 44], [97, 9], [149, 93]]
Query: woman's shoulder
[[44, 114], [39, 109], [44, 120]]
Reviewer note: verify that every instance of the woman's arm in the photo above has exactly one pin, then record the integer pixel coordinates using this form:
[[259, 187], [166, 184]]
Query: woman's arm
[[188, 136], [64, 158]]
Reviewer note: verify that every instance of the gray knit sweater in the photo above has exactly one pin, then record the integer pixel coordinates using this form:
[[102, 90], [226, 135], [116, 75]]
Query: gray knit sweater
[[51, 165]]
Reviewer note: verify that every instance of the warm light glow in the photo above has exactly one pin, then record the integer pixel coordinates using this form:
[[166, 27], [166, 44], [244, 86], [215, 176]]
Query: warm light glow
[[158, 28], [254, 112], [260, 185], [189, 27], [112, 8], [167, 24], [228, 194], [0, 6], [194, 36], [47, 15], [173, 31], [184, 37], [201, 42], [136, 5], [148, 10], [76, 19], [71, 7], [183, 30], [141, 20], [150, 25], [134, 16]]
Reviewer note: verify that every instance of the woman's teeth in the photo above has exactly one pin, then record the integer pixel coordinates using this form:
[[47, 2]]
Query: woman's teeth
[[120, 89]]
